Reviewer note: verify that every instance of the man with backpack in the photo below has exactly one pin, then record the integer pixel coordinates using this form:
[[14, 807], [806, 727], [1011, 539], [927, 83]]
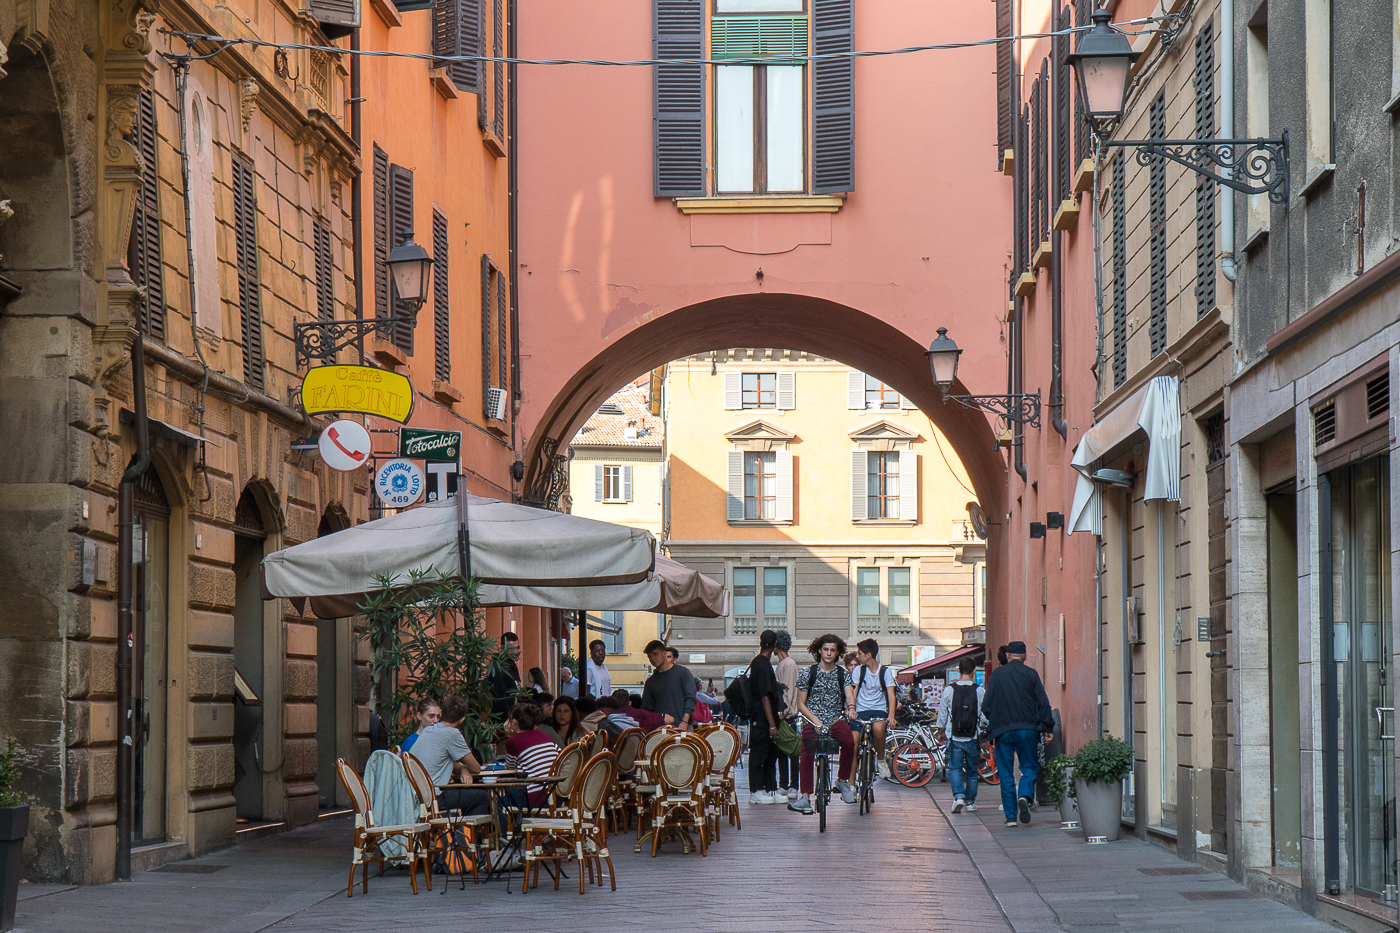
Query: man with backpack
[[875, 702], [960, 719], [761, 699]]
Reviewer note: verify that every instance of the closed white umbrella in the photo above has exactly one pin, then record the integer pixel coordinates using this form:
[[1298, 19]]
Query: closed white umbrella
[[510, 546], [671, 588]]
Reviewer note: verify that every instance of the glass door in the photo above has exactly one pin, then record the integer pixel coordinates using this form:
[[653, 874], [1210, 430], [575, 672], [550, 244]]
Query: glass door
[[151, 555], [1362, 750]]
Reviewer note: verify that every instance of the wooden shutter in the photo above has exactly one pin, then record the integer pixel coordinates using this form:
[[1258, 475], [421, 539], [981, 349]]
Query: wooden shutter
[[381, 232], [1063, 91], [734, 500], [787, 391], [833, 97], [855, 391], [733, 395], [400, 223], [860, 506], [783, 471], [598, 482], [905, 403], [1157, 226], [337, 17], [908, 485], [442, 318], [1204, 80], [498, 76], [143, 250], [245, 222], [502, 328], [1081, 125], [678, 32], [457, 31], [1118, 189], [1004, 84], [325, 270], [627, 482], [486, 272]]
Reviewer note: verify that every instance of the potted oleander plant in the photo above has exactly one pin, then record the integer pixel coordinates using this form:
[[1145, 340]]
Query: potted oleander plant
[[1099, 769], [1058, 776], [14, 826]]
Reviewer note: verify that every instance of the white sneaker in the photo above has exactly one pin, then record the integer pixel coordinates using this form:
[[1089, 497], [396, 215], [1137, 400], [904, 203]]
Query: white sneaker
[[761, 796], [848, 793], [882, 768], [959, 805], [970, 808], [802, 804], [790, 793]]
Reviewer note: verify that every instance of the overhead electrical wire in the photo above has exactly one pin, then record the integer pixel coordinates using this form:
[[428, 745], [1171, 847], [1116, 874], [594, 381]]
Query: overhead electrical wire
[[227, 42]]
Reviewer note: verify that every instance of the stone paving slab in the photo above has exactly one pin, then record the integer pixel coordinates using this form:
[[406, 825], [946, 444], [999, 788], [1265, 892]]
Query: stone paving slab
[[1049, 879]]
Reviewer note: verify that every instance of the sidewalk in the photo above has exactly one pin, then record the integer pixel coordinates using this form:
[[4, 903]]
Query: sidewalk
[[1048, 880]]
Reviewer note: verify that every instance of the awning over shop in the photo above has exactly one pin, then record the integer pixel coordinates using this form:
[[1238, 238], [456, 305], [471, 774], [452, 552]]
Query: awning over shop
[[941, 663], [1156, 411]]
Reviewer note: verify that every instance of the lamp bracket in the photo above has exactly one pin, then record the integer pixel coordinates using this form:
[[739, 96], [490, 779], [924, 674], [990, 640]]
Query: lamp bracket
[[1254, 166], [1021, 409], [322, 340]]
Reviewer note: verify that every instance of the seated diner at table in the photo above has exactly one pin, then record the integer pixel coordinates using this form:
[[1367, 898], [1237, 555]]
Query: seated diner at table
[[528, 748], [428, 713], [445, 754], [629, 704], [567, 723]]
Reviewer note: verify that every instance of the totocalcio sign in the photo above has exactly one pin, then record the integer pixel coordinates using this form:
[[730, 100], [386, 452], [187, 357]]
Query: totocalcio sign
[[425, 444]]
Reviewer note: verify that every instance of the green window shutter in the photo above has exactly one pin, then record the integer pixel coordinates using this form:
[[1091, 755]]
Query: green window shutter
[[771, 38]]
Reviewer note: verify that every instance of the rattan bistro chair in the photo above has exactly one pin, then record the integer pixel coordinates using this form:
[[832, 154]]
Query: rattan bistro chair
[[444, 825], [644, 782], [621, 799], [583, 833], [368, 836], [566, 765], [723, 740], [679, 765]]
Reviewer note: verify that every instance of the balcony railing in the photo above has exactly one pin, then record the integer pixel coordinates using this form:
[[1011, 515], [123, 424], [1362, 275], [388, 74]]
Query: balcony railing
[[886, 625], [752, 625]]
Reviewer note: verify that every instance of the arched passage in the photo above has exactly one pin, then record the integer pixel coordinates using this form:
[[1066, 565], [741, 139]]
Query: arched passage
[[792, 322]]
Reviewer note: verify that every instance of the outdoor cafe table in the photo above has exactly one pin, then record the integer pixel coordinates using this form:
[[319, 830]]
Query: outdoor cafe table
[[527, 809]]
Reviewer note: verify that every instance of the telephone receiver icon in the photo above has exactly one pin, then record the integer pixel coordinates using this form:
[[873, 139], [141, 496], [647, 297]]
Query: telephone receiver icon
[[335, 439]]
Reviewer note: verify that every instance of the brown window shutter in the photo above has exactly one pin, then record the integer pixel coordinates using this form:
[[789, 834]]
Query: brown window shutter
[[442, 344], [143, 250], [833, 97], [245, 219], [1004, 68], [678, 101], [381, 232], [457, 31], [325, 271], [401, 222], [498, 76], [487, 271], [1063, 91]]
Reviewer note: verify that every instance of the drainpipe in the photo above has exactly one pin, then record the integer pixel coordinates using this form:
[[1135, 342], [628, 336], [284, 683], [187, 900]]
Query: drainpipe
[[356, 210], [1022, 169], [1227, 127], [1057, 389], [513, 200], [126, 712]]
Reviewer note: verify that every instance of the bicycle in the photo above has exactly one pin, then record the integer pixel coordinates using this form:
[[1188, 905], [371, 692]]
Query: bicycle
[[826, 746], [914, 765], [865, 767]]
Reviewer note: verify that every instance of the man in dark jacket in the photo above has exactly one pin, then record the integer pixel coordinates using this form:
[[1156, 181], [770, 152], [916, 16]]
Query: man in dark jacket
[[505, 684], [1018, 713]]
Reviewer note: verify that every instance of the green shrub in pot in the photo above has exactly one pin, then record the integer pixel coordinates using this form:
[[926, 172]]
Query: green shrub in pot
[[1099, 769], [1055, 776], [1104, 760]]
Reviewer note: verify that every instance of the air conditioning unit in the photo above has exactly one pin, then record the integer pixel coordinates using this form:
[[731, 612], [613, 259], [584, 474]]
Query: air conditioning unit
[[496, 403]]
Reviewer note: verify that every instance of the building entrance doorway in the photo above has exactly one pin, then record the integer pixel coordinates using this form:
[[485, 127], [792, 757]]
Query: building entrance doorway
[[1358, 712], [150, 628], [249, 742]]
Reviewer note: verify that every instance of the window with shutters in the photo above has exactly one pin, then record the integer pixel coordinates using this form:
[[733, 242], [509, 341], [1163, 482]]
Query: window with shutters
[[1063, 91], [1204, 81], [612, 483], [143, 249], [882, 484], [457, 30], [1040, 161], [760, 109], [400, 228], [325, 270], [1005, 105], [879, 395], [245, 224], [1081, 126], [760, 485], [498, 69], [502, 333], [381, 232], [615, 641], [1157, 230], [442, 318], [1118, 189], [760, 390]]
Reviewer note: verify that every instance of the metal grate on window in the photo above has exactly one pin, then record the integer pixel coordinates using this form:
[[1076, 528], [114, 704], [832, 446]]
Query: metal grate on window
[[1325, 424], [1378, 396], [766, 37], [1157, 224], [1204, 81], [1119, 193]]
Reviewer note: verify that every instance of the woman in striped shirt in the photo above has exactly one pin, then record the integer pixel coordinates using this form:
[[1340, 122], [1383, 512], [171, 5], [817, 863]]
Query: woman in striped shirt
[[529, 749]]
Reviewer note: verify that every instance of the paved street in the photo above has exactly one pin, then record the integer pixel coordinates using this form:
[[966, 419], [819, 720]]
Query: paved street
[[906, 866]]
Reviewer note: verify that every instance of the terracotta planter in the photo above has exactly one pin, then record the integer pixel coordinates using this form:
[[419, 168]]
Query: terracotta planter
[[1100, 809], [14, 826]]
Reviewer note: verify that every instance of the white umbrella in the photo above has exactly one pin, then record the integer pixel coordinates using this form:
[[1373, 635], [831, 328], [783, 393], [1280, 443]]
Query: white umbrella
[[671, 588], [505, 545]]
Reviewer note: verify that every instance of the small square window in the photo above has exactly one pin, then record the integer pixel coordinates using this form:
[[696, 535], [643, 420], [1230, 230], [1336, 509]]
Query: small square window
[[612, 483], [760, 390], [745, 591]]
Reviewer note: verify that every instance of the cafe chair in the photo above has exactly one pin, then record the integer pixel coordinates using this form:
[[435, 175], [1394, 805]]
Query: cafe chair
[[368, 836], [644, 783], [566, 766], [723, 740], [444, 827], [679, 765], [597, 743], [582, 833], [620, 798]]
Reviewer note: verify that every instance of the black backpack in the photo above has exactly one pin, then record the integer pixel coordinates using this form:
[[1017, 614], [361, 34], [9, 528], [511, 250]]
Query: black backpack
[[861, 683], [964, 712], [738, 694]]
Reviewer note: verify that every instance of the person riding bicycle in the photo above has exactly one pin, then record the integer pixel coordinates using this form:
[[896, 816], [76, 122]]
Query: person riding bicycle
[[821, 690], [960, 719], [875, 700]]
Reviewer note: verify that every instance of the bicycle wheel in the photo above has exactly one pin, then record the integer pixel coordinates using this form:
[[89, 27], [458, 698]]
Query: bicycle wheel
[[863, 768], [867, 782], [913, 765], [823, 790], [987, 766]]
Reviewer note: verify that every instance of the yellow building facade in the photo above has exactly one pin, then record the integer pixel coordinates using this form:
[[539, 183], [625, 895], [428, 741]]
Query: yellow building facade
[[823, 499]]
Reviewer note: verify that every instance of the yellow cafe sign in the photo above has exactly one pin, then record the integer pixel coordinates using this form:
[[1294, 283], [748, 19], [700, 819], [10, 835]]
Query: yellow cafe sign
[[362, 389]]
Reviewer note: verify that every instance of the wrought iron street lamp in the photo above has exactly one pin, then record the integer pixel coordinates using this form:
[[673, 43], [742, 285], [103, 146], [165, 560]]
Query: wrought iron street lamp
[[1103, 62], [943, 356], [409, 266]]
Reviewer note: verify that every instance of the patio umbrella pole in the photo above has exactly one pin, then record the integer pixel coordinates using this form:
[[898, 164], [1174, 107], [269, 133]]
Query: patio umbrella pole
[[583, 652], [464, 536]]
